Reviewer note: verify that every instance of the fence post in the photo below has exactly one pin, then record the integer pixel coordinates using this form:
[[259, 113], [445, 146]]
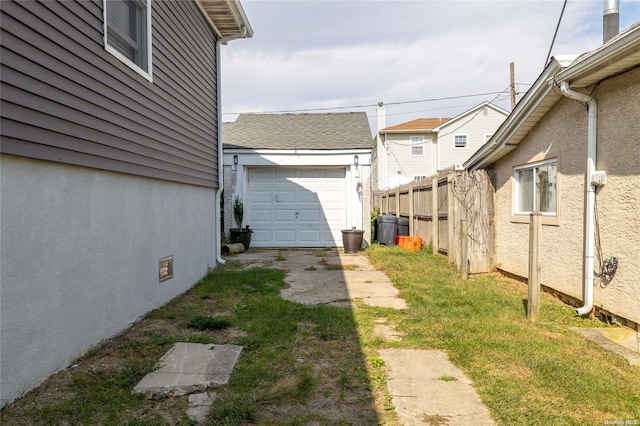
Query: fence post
[[533, 301], [451, 219], [435, 232], [397, 201], [411, 225], [464, 249]]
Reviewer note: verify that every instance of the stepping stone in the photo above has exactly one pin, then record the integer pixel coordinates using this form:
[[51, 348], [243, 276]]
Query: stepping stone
[[189, 368], [426, 388]]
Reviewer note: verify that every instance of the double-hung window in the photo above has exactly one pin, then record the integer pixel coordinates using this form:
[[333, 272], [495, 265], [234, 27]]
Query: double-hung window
[[417, 145], [460, 141], [536, 188], [128, 33]]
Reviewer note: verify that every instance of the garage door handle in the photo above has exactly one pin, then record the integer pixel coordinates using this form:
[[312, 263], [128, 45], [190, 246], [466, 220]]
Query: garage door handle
[[297, 214]]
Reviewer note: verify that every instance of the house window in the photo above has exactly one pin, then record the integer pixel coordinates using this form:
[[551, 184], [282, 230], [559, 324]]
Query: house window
[[417, 145], [460, 141], [536, 188], [128, 33]]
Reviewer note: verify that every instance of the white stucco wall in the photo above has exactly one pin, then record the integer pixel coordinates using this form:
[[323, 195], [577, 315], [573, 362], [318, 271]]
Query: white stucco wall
[[80, 250], [562, 134]]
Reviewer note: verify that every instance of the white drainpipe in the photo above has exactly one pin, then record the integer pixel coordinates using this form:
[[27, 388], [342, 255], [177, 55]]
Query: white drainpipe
[[590, 193], [221, 40]]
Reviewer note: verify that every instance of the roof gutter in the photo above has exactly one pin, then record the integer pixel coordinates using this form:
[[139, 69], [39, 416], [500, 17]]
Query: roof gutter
[[590, 195], [217, 207]]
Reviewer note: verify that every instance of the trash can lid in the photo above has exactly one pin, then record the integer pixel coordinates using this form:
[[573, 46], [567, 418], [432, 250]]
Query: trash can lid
[[388, 218]]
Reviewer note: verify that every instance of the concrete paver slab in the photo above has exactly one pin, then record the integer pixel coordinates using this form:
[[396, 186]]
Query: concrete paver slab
[[327, 287], [621, 341], [190, 367], [419, 393]]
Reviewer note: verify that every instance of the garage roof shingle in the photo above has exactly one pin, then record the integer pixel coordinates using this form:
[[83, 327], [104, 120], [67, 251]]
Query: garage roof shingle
[[330, 131]]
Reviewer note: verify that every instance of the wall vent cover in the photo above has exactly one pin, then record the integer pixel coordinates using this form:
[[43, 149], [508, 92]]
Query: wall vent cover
[[165, 268]]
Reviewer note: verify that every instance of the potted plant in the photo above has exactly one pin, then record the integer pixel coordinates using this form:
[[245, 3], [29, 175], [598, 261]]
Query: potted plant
[[239, 234]]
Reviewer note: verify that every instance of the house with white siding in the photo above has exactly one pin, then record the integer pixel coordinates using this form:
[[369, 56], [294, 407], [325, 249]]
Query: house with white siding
[[421, 147]]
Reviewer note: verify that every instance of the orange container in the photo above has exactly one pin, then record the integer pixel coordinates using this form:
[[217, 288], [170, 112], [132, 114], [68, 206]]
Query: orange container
[[413, 244], [402, 241]]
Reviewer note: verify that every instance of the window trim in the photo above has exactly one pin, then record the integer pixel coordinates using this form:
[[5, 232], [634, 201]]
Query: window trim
[[413, 144], [466, 141], [148, 74], [547, 217]]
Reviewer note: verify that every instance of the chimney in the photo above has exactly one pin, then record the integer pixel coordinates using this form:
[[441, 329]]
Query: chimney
[[610, 20], [381, 116]]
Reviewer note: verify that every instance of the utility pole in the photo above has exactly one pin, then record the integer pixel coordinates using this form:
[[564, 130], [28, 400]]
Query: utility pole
[[512, 73]]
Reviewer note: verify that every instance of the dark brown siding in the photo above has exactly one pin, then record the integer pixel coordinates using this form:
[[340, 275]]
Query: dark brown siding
[[66, 99]]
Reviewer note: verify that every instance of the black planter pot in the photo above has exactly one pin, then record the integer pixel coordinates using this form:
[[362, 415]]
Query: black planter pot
[[241, 236], [352, 240]]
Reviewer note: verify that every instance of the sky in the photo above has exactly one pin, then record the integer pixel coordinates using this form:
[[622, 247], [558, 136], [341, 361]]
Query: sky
[[318, 55]]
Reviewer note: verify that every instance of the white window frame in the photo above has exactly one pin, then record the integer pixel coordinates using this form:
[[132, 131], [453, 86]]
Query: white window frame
[[416, 141], [148, 73], [516, 187], [466, 141]]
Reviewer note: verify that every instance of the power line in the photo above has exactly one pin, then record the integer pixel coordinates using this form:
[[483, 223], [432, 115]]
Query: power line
[[365, 106], [555, 33]]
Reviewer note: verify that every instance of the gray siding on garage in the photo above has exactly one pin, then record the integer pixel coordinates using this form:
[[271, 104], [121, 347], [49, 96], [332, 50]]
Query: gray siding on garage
[[66, 99]]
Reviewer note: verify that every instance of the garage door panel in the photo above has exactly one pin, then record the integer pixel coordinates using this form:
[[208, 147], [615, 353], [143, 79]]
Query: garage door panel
[[309, 197], [281, 176], [260, 236], [309, 235], [285, 216], [310, 174], [262, 216], [258, 176], [287, 197], [337, 174], [285, 236], [261, 197], [297, 207], [312, 216]]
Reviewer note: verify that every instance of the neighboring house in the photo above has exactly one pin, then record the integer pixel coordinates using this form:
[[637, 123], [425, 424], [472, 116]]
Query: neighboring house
[[545, 157], [109, 169], [421, 147], [303, 178]]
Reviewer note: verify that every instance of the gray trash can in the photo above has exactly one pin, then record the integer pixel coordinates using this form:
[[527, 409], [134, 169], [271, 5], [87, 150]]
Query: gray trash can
[[403, 226], [387, 228]]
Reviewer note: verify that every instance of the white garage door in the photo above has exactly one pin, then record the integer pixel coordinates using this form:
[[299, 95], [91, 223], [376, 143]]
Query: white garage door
[[297, 207]]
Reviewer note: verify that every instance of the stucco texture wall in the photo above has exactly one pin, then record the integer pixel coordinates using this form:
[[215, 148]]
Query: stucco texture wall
[[80, 250], [562, 133]]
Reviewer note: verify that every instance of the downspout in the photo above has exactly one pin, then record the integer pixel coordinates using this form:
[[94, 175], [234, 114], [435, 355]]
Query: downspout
[[221, 40], [590, 194]]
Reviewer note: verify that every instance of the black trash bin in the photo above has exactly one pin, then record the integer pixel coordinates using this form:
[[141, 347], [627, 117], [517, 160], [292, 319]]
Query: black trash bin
[[387, 228], [403, 226]]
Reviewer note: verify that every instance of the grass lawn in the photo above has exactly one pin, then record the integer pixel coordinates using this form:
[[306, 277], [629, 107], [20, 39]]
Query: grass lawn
[[527, 374], [319, 365]]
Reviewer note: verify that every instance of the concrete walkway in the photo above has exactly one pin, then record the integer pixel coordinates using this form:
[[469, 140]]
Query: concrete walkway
[[425, 387]]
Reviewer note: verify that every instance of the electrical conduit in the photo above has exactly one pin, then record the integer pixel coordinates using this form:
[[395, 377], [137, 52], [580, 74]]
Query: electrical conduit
[[590, 194]]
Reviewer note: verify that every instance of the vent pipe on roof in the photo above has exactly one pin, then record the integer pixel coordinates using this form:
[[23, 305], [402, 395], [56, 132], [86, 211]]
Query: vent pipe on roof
[[381, 116], [610, 20]]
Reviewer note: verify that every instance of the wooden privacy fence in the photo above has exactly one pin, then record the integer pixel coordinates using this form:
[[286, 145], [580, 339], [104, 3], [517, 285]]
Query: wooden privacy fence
[[436, 206]]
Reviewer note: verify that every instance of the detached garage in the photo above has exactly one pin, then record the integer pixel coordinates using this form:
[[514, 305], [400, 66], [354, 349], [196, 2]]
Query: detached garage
[[302, 178]]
